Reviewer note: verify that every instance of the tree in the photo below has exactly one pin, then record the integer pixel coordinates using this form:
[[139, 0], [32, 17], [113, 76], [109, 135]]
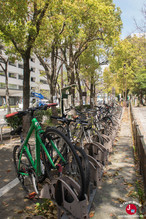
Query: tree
[[108, 80], [89, 69], [139, 69], [20, 23], [48, 55], [128, 64], [4, 67], [87, 22]]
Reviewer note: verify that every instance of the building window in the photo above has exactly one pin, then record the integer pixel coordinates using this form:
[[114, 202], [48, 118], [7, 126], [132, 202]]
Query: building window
[[12, 86], [32, 69], [32, 79], [43, 81], [20, 77], [2, 85], [20, 66], [12, 75], [2, 73], [20, 87], [32, 88], [12, 63], [32, 59]]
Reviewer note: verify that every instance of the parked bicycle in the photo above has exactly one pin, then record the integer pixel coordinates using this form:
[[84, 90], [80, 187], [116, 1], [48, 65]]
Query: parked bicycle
[[54, 156]]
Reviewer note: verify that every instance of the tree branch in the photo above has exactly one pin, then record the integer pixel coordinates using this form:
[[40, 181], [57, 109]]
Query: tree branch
[[62, 28], [44, 64]]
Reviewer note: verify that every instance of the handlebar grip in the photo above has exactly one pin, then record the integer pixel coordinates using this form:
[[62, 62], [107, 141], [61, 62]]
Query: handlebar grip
[[19, 113], [52, 104]]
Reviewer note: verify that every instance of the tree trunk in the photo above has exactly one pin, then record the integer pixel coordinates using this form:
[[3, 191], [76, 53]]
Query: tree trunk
[[7, 88], [26, 82], [72, 89], [26, 93], [94, 95], [91, 94], [141, 97], [54, 109], [92, 91], [79, 87]]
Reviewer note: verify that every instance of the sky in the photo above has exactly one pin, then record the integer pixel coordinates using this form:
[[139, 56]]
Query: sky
[[131, 9]]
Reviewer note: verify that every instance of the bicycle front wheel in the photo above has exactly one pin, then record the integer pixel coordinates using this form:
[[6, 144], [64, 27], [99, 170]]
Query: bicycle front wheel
[[70, 164]]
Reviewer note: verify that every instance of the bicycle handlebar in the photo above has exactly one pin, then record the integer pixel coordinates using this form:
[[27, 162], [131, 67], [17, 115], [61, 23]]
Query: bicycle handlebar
[[68, 121], [62, 119]]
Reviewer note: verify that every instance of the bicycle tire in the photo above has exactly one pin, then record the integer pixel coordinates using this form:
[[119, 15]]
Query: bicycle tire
[[29, 182], [85, 165], [62, 129], [72, 167], [83, 159]]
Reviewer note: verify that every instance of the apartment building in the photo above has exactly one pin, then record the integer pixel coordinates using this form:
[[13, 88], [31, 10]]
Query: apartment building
[[38, 83]]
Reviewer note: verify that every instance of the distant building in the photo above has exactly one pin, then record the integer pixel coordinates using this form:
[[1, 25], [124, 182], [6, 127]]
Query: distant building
[[15, 79]]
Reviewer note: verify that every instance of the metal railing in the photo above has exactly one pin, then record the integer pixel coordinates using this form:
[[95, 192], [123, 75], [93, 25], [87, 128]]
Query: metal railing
[[140, 146]]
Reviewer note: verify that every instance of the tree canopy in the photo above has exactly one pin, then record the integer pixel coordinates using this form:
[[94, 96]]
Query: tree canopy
[[128, 64], [49, 25]]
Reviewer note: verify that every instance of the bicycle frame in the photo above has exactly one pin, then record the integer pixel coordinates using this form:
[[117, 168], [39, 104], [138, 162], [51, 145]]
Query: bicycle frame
[[37, 164]]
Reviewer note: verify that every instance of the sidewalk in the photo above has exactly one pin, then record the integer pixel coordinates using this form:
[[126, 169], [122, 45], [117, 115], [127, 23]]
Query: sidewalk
[[118, 189], [12, 202]]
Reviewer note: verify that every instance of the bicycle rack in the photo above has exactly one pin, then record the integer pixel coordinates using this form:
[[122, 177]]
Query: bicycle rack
[[57, 189], [97, 151], [69, 207], [107, 141], [96, 171]]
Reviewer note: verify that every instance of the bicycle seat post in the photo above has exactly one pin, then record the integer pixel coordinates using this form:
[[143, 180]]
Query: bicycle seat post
[[21, 137]]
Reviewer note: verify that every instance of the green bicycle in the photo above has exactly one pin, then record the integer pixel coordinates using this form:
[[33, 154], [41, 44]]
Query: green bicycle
[[52, 156]]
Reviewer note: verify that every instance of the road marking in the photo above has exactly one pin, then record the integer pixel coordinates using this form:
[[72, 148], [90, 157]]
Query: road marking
[[9, 186]]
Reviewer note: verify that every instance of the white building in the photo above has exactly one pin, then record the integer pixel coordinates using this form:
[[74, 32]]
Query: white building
[[15, 80]]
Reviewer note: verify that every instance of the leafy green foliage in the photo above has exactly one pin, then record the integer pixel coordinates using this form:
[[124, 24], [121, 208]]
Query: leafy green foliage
[[89, 63], [127, 63], [14, 121], [108, 80]]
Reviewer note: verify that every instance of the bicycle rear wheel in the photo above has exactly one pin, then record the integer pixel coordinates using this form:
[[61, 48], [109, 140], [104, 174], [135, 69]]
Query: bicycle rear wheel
[[25, 172], [85, 165], [71, 167]]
